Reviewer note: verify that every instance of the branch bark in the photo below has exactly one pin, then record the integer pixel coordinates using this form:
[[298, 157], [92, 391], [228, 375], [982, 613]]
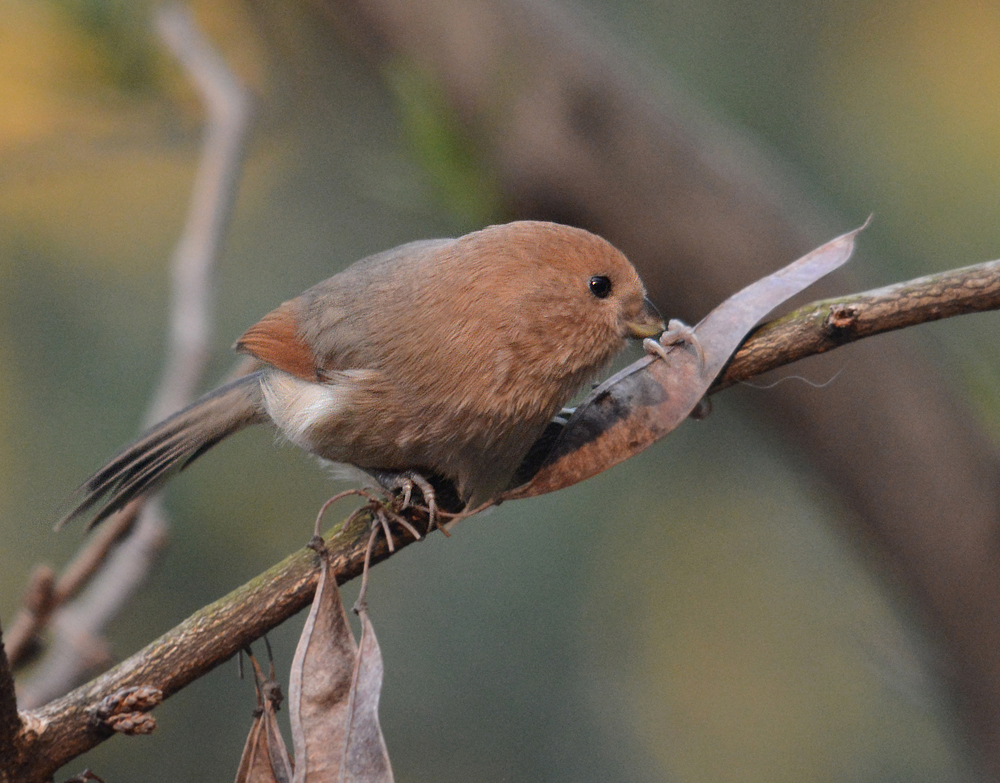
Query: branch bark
[[822, 326], [62, 730]]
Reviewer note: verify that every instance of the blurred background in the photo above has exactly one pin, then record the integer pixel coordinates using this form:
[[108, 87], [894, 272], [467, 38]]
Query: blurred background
[[707, 611]]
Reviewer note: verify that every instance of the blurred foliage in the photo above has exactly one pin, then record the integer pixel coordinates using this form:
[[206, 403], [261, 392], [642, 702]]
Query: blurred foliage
[[693, 615], [915, 110], [119, 36], [465, 185]]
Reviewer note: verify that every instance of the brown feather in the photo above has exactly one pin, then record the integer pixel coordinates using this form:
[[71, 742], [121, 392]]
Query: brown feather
[[275, 340]]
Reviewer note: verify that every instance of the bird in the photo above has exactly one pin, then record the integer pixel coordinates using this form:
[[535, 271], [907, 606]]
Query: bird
[[441, 357]]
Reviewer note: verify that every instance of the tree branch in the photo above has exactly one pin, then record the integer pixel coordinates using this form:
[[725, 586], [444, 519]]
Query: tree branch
[[227, 106], [62, 730], [45, 594], [822, 326]]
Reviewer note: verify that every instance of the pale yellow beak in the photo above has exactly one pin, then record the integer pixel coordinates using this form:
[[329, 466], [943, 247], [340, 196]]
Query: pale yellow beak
[[647, 323]]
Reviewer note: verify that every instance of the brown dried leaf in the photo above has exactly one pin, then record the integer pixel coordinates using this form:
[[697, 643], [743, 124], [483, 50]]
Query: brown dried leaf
[[250, 769], [320, 685], [277, 753], [648, 399], [265, 758], [255, 763], [366, 759], [334, 694]]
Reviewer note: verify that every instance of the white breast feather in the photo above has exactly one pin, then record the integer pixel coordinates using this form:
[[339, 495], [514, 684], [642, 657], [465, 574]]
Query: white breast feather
[[296, 405]]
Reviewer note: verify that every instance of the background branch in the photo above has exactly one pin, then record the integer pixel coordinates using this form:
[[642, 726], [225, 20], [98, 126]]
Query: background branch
[[217, 632], [117, 561], [45, 593], [227, 109]]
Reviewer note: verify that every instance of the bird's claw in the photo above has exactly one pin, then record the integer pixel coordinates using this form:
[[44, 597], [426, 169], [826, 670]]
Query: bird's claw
[[677, 333], [405, 482]]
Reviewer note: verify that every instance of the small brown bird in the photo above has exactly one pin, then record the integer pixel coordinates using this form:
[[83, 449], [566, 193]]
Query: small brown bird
[[442, 357]]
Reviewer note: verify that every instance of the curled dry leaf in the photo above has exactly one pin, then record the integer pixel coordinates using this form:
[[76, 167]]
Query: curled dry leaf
[[333, 695], [320, 683], [366, 759], [265, 758], [648, 399]]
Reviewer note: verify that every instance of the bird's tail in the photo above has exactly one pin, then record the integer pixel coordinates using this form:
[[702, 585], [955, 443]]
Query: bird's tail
[[170, 446]]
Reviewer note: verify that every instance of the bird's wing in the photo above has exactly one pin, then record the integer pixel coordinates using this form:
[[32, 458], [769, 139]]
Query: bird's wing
[[338, 324], [276, 340]]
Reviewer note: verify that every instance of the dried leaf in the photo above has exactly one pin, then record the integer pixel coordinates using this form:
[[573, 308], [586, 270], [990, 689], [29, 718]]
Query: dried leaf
[[281, 765], [334, 693], [644, 402], [265, 758], [366, 759], [255, 763], [320, 685]]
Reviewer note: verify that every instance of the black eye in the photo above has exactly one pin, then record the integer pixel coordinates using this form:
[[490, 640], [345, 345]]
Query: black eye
[[599, 286]]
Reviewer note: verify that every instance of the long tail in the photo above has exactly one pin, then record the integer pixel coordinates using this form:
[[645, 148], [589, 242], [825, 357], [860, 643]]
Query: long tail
[[170, 446]]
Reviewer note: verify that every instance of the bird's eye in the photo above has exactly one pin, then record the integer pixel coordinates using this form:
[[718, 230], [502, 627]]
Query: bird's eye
[[600, 286]]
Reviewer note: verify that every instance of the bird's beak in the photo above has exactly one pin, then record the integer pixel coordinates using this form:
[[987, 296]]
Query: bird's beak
[[647, 323]]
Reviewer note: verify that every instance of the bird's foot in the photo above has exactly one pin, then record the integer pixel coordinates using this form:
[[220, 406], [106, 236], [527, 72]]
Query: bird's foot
[[677, 333], [383, 510], [400, 485], [405, 482]]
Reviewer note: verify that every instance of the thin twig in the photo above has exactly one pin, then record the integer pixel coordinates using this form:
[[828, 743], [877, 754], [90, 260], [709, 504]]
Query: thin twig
[[34, 614], [121, 557], [45, 594], [78, 647], [98, 544]]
